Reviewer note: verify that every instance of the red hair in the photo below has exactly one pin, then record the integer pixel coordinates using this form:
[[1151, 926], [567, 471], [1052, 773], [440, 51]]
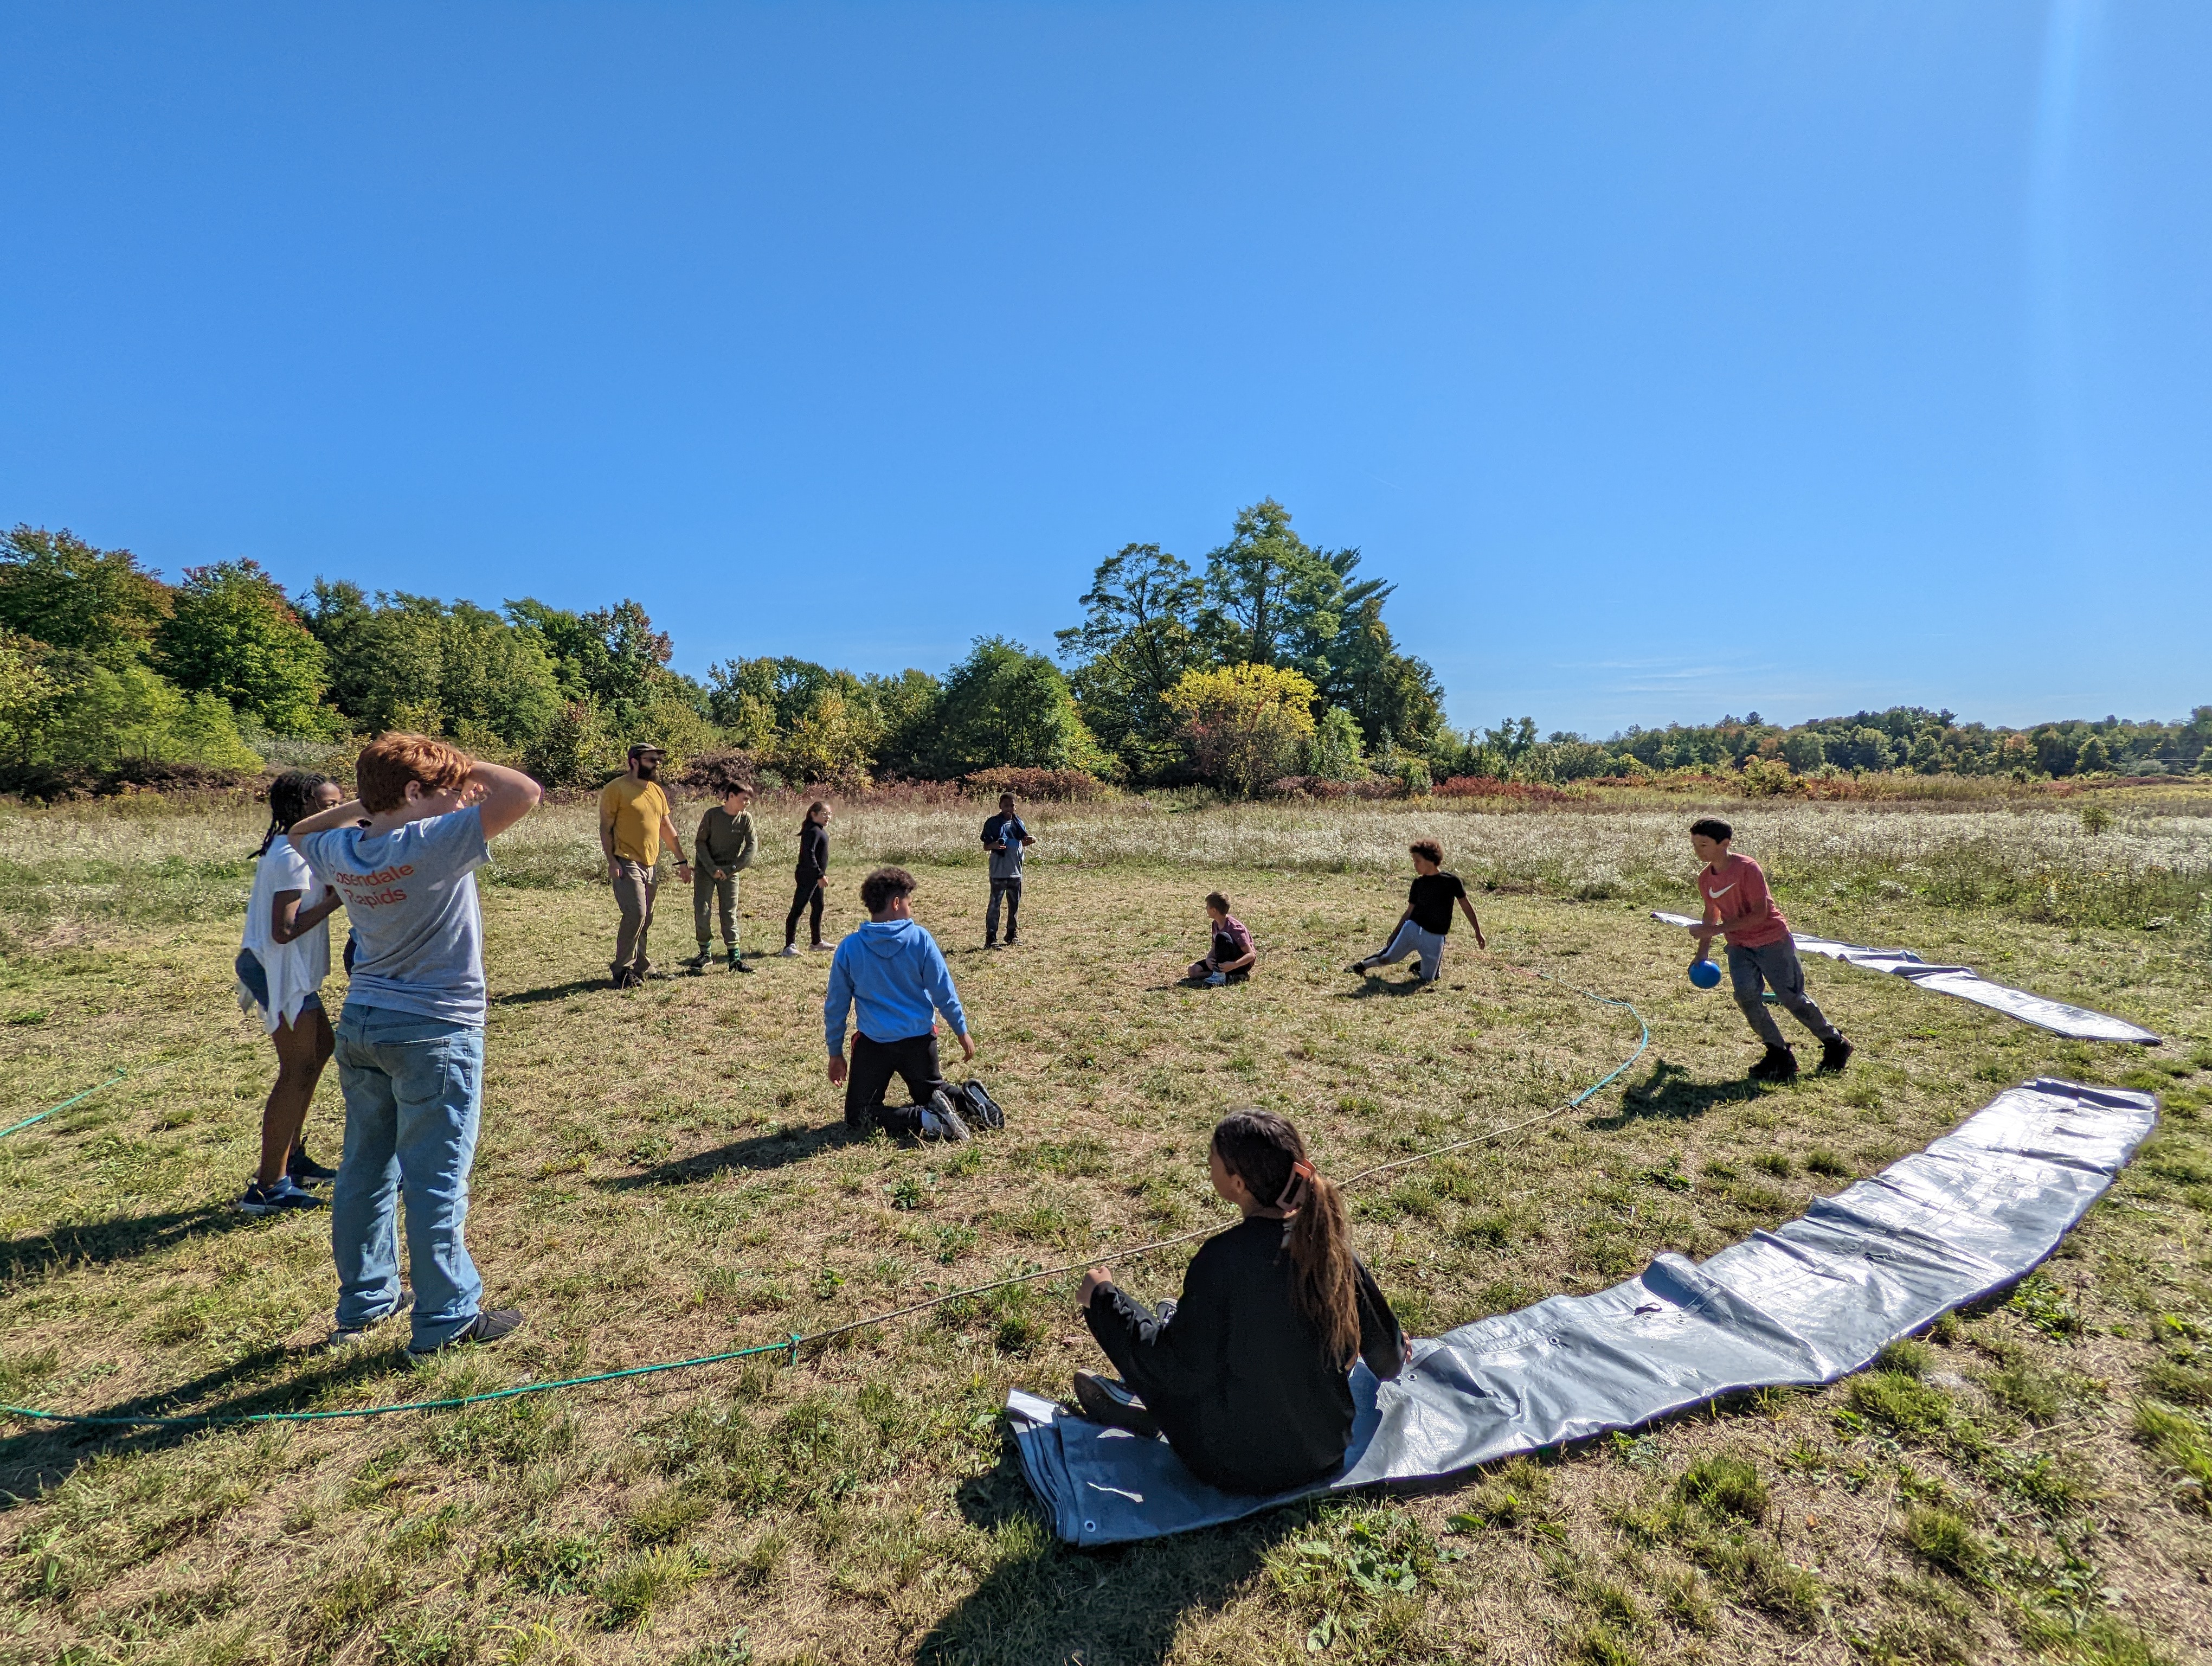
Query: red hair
[[388, 763]]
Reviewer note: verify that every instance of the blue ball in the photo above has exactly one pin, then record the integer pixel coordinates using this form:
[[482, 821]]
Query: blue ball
[[1704, 974]]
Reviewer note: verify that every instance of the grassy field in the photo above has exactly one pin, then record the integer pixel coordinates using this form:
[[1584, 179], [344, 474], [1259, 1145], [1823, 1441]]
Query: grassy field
[[660, 1177]]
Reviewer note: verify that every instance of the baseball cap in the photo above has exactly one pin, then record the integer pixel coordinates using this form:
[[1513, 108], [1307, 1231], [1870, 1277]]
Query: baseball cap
[[639, 748]]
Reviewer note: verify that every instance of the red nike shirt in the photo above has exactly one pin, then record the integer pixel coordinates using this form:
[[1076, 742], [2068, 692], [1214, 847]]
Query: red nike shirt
[[1747, 913]]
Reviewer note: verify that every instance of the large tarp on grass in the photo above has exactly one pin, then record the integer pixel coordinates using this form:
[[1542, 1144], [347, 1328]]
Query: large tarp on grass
[[1815, 1299], [1967, 984]]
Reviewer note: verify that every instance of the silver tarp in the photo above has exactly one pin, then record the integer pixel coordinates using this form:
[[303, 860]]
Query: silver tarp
[[1967, 984], [1811, 1301]]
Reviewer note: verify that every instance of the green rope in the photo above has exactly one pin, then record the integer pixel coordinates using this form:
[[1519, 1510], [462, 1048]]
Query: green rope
[[790, 1346], [65, 1105]]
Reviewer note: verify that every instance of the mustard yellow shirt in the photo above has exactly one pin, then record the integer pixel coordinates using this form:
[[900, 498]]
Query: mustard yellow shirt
[[635, 810]]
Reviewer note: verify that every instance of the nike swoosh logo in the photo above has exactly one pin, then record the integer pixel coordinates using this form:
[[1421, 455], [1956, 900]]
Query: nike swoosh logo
[[1723, 890]]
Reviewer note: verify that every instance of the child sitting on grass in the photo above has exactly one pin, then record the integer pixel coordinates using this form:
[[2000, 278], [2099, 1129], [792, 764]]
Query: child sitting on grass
[[1760, 949], [1231, 958], [1249, 1375], [1428, 916]]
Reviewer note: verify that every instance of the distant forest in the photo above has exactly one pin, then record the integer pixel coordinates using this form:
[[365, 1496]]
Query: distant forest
[[1268, 662]]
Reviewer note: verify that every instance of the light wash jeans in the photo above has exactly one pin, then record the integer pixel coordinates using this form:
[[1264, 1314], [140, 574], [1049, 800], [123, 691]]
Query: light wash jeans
[[1412, 940], [413, 1088]]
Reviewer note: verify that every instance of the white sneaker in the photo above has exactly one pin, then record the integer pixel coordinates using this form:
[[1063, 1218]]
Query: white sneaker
[[790, 952], [1216, 980], [944, 1125]]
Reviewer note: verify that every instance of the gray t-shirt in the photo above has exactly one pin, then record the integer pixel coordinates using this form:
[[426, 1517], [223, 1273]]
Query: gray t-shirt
[[1006, 864], [411, 897]]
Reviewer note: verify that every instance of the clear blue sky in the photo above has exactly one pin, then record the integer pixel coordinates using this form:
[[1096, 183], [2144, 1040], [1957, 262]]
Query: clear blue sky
[[1675, 359]]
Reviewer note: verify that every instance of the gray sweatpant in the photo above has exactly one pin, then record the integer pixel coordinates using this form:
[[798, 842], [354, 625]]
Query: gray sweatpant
[[1775, 966], [1412, 939]]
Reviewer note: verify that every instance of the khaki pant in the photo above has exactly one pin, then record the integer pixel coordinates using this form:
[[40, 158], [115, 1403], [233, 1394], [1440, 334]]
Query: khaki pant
[[705, 891], [634, 884]]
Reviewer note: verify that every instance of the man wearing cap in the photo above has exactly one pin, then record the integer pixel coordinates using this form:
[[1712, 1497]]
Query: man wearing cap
[[633, 825]]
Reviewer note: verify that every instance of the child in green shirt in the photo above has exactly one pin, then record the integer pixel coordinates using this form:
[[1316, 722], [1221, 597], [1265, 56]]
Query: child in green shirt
[[724, 848]]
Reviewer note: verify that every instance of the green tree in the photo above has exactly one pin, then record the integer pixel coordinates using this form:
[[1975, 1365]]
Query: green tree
[[1138, 636], [903, 711], [1245, 725], [59, 590], [233, 634], [1004, 705], [1337, 753]]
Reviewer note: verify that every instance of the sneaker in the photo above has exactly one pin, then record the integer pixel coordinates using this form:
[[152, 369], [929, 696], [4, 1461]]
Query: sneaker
[[1360, 967], [285, 1193], [790, 952], [303, 1171], [1834, 1055], [1778, 1064], [490, 1326], [982, 1109], [347, 1335], [701, 961], [823, 948], [1215, 980], [941, 1122], [1105, 1400], [617, 977], [738, 963]]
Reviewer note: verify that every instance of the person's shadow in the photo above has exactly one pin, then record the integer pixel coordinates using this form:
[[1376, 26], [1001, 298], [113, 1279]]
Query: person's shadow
[[552, 992], [1122, 1606], [121, 1237], [778, 1150], [1670, 1093], [1373, 984]]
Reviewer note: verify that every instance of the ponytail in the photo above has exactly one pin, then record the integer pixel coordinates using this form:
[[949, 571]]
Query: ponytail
[[1264, 1151], [291, 797]]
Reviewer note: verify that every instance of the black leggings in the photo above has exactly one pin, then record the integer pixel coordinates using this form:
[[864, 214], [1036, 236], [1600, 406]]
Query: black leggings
[[808, 891]]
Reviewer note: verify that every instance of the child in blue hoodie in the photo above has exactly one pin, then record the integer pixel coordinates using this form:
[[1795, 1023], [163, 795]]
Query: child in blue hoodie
[[894, 973]]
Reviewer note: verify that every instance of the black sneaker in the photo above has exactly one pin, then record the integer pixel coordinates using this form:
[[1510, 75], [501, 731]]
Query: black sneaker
[[738, 963], [491, 1325], [285, 1193], [1834, 1055], [1778, 1064], [982, 1109], [1360, 968], [347, 1335], [701, 961], [1105, 1400], [304, 1171]]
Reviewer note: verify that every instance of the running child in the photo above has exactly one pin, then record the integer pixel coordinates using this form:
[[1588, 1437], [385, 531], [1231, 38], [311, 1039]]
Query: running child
[[1760, 952], [1231, 956], [1422, 927], [892, 977], [411, 1042], [723, 848], [281, 966], [810, 880], [1248, 1374]]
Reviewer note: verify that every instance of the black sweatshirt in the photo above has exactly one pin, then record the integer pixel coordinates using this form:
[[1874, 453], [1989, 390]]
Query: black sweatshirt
[[1235, 1374], [813, 850]]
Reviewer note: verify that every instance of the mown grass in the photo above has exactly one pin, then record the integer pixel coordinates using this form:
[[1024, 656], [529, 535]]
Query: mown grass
[[658, 1179]]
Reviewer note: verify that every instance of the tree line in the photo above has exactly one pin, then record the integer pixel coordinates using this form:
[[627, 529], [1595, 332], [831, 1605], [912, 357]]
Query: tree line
[[1268, 663]]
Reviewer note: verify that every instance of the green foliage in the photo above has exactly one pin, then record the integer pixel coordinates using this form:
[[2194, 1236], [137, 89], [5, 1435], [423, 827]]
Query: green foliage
[[1941, 1538], [1245, 724], [59, 590], [413, 662], [1725, 1485], [231, 634], [1337, 751], [1003, 705]]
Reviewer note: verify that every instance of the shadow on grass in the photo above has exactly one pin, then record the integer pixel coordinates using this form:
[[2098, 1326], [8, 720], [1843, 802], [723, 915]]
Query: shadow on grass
[[554, 992], [122, 1238], [778, 1150], [1119, 1606], [1372, 986], [1670, 1093], [43, 1454]]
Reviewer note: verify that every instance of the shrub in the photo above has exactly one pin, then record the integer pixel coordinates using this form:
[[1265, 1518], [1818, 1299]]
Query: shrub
[[1243, 723], [1053, 786]]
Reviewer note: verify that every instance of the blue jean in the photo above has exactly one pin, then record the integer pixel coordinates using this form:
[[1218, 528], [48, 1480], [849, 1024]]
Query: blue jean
[[414, 1087]]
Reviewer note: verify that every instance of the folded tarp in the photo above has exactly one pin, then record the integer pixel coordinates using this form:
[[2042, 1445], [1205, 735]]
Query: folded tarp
[[1804, 1304], [1967, 984]]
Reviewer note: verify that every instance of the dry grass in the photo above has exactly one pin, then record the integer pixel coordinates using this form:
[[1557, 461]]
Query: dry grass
[[658, 1179]]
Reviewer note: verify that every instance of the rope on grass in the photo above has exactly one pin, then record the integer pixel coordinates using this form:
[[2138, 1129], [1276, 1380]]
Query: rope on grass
[[15, 1127], [790, 1346]]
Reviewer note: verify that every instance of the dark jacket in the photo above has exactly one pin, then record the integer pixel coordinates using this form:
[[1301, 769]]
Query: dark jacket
[[813, 850], [723, 842], [1235, 1374]]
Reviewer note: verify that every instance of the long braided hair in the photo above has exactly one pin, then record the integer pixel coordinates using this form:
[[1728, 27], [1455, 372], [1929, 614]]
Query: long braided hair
[[1264, 1151], [291, 799]]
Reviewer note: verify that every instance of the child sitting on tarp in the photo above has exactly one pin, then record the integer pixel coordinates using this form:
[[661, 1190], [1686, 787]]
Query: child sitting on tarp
[[1231, 958], [1248, 1375]]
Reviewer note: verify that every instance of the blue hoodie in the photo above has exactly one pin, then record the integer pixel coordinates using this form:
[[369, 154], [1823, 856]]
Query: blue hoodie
[[893, 971]]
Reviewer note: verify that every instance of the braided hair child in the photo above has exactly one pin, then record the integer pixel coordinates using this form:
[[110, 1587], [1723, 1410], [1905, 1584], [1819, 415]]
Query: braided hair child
[[280, 965], [1249, 1375]]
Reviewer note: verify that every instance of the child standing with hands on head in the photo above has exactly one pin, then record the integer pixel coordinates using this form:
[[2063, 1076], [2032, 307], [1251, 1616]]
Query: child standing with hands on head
[[1760, 952]]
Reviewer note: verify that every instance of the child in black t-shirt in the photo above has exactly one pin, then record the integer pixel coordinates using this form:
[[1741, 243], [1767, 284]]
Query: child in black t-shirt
[[1428, 916]]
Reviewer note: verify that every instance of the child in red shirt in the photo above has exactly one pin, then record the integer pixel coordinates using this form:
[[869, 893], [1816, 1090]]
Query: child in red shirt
[[1760, 952]]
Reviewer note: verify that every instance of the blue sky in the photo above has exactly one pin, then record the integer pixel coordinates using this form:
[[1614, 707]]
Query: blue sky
[[1673, 359]]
